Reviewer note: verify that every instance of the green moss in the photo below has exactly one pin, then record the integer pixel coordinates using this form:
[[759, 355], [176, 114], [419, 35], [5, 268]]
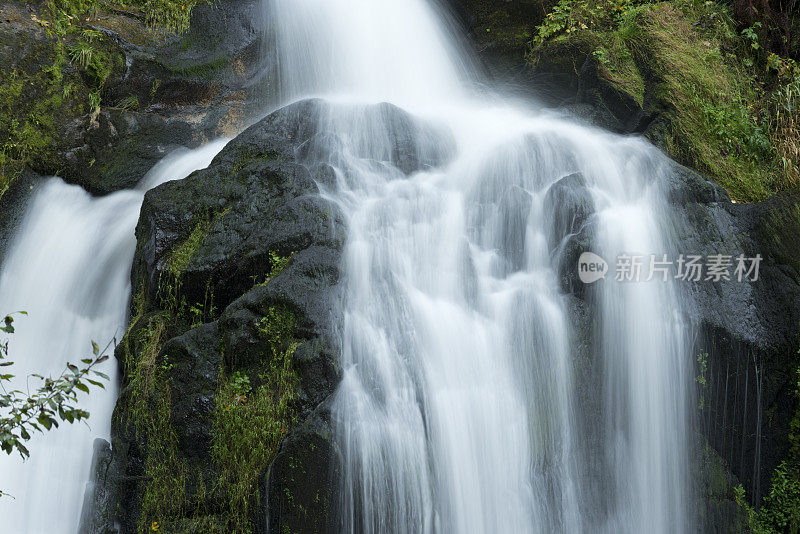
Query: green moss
[[277, 264], [165, 473], [203, 70], [32, 108], [168, 15], [674, 56], [168, 292], [619, 68], [780, 510], [147, 398], [40, 94], [251, 422], [708, 98], [182, 254]]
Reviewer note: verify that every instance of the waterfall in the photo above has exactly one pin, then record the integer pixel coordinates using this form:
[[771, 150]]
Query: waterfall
[[464, 405], [69, 268]]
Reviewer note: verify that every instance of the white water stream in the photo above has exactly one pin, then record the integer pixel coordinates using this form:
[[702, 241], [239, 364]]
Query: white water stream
[[69, 267], [458, 409]]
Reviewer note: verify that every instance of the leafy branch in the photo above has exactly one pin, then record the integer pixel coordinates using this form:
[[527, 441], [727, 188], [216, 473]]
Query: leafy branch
[[50, 401]]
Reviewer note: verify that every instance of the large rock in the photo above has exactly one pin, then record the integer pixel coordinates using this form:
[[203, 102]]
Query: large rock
[[236, 264], [500, 32], [569, 209], [749, 329], [303, 481], [161, 91]]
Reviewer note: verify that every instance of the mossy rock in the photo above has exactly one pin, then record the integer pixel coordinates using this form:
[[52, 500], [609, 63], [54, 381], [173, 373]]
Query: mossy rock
[[232, 353], [663, 70], [40, 93], [303, 479], [505, 25]]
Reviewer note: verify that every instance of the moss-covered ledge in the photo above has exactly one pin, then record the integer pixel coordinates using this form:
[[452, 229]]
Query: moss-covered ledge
[[681, 74]]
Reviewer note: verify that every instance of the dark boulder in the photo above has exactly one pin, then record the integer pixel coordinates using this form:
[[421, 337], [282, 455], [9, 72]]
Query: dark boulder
[[568, 204], [499, 34], [160, 91], [236, 271], [101, 494], [568, 208], [302, 481], [259, 197], [749, 329], [192, 361], [13, 203]]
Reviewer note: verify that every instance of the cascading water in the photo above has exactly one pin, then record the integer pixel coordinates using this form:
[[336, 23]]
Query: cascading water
[[69, 268], [459, 407]]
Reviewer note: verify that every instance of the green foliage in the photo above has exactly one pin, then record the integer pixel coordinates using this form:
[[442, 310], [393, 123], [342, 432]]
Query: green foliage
[[130, 103], [27, 117], [701, 379], [708, 79], [277, 264], [751, 37], [169, 292], [751, 516], [783, 112], [32, 121], [50, 400], [148, 401], [254, 410], [182, 254], [570, 16], [780, 509], [250, 423], [721, 120], [168, 15], [714, 125]]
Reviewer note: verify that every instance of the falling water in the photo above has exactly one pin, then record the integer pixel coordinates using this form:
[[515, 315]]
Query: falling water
[[69, 268], [460, 408]]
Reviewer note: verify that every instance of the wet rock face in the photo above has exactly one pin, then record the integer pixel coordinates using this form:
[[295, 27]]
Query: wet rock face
[[500, 32], [259, 197], [303, 482], [239, 240], [161, 91], [569, 206], [749, 329]]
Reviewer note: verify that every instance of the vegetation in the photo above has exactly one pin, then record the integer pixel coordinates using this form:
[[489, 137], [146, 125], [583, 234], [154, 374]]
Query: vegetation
[[253, 413], [702, 379], [64, 75], [780, 510], [251, 422], [254, 408], [41, 407], [731, 106]]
